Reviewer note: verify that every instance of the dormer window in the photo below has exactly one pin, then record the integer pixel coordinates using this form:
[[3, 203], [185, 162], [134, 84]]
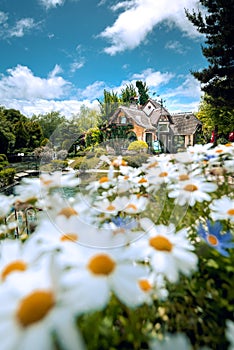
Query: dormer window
[[123, 120], [163, 127]]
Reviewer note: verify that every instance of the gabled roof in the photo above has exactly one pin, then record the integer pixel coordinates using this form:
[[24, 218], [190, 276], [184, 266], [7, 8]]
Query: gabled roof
[[184, 123], [136, 115]]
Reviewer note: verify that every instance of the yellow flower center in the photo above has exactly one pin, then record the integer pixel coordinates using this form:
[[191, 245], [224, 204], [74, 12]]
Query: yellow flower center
[[190, 188], [110, 207], [145, 285], [126, 177], [230, 212], [163, 174], [228, 145], [103, 179], [69, 237], [219, 151], [161, 243], [68, 212], [131, 206], [142, 180], [14, 266], [34, 307], [101, 264], [46, 182], [119, 230], [152, 165], [183, 177], [212, 239]]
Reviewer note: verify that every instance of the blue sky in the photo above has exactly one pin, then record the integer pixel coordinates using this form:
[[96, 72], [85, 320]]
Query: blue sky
[[59, 54]]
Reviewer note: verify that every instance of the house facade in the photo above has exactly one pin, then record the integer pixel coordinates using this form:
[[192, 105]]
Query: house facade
[[153, 122]]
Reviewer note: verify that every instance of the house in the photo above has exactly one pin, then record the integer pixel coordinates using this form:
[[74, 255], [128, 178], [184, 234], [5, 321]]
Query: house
[[153, 121]]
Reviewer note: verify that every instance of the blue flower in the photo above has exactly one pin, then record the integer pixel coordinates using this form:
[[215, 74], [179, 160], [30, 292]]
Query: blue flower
[[126, 223], [214, 238]]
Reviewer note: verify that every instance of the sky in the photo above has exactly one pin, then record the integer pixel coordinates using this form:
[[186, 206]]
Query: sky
[[56, 55]]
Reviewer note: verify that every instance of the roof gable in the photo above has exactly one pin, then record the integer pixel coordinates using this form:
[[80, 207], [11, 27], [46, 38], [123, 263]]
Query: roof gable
[[185, 123]]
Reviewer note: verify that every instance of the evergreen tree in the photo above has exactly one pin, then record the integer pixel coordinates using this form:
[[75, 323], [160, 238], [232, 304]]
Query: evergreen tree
[[143, 92], [109, 104], [218, 26], [128, 93], [21, 135]]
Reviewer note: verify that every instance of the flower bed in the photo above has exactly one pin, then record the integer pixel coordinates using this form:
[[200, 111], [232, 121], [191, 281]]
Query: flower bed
[[140, 258]]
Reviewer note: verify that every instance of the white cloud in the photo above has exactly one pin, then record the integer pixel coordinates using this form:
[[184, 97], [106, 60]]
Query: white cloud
[[51, 3], [92, 91], [190, 88], [23, 25], [176, 106], [152, 78], [22, 84], [48, 4], [141, 16], [175, 46], [3, 18], [76, 65], [66, 108]]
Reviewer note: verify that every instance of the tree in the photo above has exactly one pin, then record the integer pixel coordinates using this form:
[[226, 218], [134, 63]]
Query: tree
[[7, 137], [143, 92], [21, 135], [128, 93], [35, 134], [218, 26], [211, 117], [49, 122], [109, 104], [86, 118]]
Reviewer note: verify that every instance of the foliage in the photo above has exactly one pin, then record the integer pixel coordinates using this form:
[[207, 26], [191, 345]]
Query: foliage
[[128, 93], [62, 154], [217, 24], [86, 119], [136, 160], [7, 176], [137, 146], [109, 104], [143, 92], [221, 119], [92, 137], [58, 164]]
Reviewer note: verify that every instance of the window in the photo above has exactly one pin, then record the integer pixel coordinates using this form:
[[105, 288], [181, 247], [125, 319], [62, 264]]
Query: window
[[163, 127], [123, 120], [179, 141]]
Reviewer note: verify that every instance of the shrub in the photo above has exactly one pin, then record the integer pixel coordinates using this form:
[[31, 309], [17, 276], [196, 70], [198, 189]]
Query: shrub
[[136, 160], [7, 176], [138, 146], [62, 154], [58, 164], [76, 164], [3, 157]]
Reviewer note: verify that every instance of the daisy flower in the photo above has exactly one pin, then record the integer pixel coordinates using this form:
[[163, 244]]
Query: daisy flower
[[171, 341], [215, 239], [29, 191], [230, 334], [35, 311], [103, 272], [131, 205], [191, 191], [222, 209], [15, 257], [6, 205], [57, 179], [169, 252]]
